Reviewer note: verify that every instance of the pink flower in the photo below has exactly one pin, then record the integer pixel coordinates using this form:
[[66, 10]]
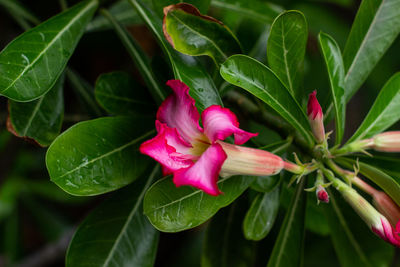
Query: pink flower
[[322, 195], [316, 117], [386, 231], [195, 155]]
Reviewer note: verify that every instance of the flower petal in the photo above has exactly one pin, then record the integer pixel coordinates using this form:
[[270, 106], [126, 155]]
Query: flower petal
[[219, 123], [204, 173], [168, 148], [179, 111]]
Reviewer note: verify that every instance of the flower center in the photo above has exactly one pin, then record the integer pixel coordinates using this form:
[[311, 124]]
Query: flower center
[[199, 145]]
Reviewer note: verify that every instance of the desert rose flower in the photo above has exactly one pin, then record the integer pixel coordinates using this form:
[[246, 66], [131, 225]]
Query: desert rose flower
[[316, 117], [196, 155]]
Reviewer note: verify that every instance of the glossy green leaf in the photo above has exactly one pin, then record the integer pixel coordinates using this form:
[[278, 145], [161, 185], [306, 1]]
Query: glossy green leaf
[[158, 5], [31, 64], [261, 216], [390, 165], [123, 13], [286, 48], [172, 209], [192, 33], [354, 243], [116, 233], [259, 80], [384, 181], [186, 68], [384, 112], [334, 64], [39, 119], [224, 244], [98, 156], [288, 248], [119, 94], [139, 57], [315, 218], [263, 12], [265, 184], [376, 26]]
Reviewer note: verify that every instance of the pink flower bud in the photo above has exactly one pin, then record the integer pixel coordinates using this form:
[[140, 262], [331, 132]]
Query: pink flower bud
[[387, 207], [316, 117], [387, 142], [322, 195]]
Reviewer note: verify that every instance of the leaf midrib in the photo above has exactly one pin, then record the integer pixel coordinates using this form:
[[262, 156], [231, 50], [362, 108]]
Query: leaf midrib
[[33, 115], [131, 214], [105, 155], [55, 39]]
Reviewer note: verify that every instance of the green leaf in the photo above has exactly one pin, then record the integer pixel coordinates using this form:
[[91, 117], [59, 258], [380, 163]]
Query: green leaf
[[32, 63], [123, 13], [263, 12], [172, 209], [390, 165], [261, 216], [384, 181], [259, 80], [265, 184], [119, 94], [354, 243], [98, 156], [286, 48], [224, 244], [384, 112], [116, 233], [186, 68], [194, 34], [158, 5], [334, 64], [288, 248], [40, 119], [376, 26], [139, 57], [17, 9]]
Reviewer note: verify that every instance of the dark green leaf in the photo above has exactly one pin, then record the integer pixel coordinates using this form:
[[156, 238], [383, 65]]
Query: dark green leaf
[[98, 156], [263, 12], [116, 233], [286, 48], [288, 249], [265, 184], [194, 34], [376, 26], [119, 94], [384, 181], [186, 68], [123, 13], [40, 119], [334, 64], [139, 57], [158, 5], [172, 209], [31, 64], [384, 112], [390, 165], [259, 80], [17, 9], [224, 243], [354, 243], [261, 216]]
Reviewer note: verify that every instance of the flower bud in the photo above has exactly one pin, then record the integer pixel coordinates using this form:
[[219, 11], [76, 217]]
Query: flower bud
[[387, 142], [375, 220], [387, 207], [322, 195], [249, 161], [316, 118]]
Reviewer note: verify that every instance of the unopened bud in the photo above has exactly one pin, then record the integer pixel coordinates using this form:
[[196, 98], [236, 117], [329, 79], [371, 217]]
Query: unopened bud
[[322, 195], [387, 141], [316, 117], [387, 207]]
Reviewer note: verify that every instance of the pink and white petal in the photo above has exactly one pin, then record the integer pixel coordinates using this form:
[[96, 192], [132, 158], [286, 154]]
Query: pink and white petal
[[168, 149], [179, 111], [389, 232], [204, 173], [219, 123]]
